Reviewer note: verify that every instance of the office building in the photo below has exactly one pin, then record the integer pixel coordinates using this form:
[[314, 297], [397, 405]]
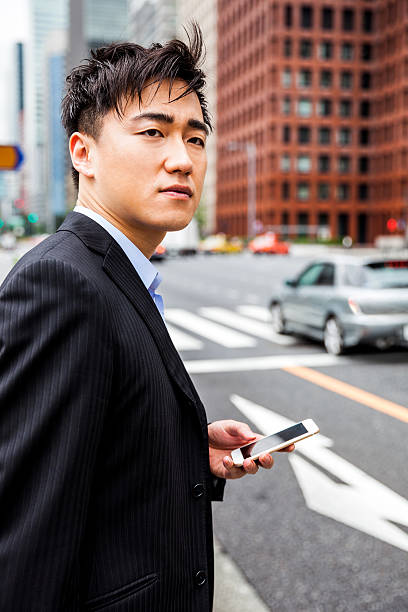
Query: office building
[[320, 88]]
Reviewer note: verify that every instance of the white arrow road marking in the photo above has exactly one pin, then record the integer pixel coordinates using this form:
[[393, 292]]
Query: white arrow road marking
[[362, 503], [256, 328], [207, 329], [182, 341]]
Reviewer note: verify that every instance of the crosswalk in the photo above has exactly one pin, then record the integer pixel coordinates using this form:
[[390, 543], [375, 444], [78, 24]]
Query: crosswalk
[[242, 327]]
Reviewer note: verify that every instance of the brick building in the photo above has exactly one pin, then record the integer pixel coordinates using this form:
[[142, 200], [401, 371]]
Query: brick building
[[321, 89]]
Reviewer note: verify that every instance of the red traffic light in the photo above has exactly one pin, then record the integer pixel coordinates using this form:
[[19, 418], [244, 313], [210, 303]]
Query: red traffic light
[[392, 224]]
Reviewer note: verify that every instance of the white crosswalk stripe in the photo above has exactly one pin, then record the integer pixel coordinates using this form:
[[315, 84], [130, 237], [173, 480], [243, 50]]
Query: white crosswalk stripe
[[256, 328], [182, 341], [256, 312], [208, 329]]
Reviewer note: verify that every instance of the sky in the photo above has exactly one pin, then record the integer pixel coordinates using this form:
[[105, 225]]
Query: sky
[[13, 28]]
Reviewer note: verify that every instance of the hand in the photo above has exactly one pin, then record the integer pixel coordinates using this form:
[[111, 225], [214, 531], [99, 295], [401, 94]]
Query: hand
[[225, 436]]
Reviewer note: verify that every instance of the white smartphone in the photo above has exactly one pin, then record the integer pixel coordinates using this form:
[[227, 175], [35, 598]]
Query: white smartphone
[[275, 441]]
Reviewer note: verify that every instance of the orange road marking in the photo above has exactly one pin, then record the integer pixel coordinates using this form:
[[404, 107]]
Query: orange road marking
[[353, 393]]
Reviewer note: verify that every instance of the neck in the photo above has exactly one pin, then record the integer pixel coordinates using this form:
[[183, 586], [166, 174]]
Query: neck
[[145, 239]]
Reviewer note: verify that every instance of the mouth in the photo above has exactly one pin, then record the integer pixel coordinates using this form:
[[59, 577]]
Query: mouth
[[178, 191]]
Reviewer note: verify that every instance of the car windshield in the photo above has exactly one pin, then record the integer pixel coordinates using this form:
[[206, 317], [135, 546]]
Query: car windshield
[[379, 275]]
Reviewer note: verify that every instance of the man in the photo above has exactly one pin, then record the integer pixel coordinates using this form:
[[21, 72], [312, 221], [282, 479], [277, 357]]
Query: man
[[107, 465]]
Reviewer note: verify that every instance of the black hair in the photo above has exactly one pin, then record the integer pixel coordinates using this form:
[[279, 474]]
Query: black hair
[[117, 74]]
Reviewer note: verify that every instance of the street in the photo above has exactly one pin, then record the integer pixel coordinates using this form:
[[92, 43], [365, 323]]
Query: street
[[326, 530]]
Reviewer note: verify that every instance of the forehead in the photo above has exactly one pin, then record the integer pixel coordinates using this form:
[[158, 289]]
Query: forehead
[[162, 99]]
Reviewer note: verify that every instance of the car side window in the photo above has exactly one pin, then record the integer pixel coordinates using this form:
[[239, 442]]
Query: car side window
[[310, 276], [326, 277]]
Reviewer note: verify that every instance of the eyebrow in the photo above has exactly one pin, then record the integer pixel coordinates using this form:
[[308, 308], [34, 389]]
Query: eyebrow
[[165, 118]]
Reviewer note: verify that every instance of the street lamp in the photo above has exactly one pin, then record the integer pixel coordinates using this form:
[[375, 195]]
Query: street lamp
[[250, 149]]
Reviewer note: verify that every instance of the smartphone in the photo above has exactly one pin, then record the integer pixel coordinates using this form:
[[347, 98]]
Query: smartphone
[[275, 441]]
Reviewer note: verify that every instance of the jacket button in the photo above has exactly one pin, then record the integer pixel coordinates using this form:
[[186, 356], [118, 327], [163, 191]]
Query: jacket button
[[198, 490], [200, 578]]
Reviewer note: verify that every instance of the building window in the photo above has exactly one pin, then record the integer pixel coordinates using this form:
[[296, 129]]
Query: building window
[[303, 191], [326, 50], [304, 134], [344, 136], [364, 137], [363, 164], [367, 20], [285, 190], [348, 20], [306, 17], [363, 191], [304, 78], [365, 80], [286, 104], [326, 78], [346, 79], [304, 164], [343, 191], [323, 191], [288, 16], [365, 108], [306, 48], [285, 162], [286, 133], [325, 107], [324, 135], [304, 107], [324, 164], [344, 164], [345, 108], [347, 51], [286, 77], [287, 47], [366, 52], [327, 18]]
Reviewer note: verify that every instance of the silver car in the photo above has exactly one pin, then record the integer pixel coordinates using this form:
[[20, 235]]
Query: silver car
[[343, 301]]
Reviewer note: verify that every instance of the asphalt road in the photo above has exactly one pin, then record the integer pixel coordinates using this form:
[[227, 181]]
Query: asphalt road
[[326, 530]]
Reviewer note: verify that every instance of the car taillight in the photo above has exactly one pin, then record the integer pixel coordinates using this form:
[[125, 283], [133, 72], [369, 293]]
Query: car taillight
[[354, 307]]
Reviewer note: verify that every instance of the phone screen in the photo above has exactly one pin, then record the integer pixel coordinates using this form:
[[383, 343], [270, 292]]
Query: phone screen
[[265, 444]]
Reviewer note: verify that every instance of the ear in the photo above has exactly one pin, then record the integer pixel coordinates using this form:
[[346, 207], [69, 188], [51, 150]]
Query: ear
[[80, 146]]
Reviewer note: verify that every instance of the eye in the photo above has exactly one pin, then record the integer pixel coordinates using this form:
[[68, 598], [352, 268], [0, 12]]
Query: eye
[[197, 141], [152, 132]]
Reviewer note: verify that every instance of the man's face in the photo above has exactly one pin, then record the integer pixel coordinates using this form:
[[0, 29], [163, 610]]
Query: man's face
[[149, 166]]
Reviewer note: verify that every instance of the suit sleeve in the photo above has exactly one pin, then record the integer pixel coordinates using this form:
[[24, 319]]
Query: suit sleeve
[[55, 373]]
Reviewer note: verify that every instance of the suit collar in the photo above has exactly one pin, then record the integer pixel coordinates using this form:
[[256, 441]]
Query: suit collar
[[123, 274]]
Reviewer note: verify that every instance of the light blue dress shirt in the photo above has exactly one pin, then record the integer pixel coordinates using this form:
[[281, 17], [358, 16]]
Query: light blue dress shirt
[[145, 269]]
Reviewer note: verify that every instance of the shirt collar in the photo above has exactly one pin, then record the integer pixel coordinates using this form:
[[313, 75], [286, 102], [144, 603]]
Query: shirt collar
[[145, 269]]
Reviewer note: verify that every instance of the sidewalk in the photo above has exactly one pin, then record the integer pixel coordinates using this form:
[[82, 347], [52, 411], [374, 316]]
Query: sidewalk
[[232, 591]]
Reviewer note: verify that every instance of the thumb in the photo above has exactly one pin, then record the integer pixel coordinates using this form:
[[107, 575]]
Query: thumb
[[240, 430]]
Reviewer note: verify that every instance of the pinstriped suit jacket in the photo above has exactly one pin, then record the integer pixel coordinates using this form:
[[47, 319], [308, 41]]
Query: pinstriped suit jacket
[[105, 485]]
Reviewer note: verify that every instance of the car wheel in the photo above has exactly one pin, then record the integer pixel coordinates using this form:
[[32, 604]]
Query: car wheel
[[278, 322], [333, 337]]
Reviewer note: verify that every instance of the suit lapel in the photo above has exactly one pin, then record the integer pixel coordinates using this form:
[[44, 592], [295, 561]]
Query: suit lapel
[[122, 273]]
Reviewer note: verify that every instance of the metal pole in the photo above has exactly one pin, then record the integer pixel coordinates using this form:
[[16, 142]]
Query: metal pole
[[251, 160]]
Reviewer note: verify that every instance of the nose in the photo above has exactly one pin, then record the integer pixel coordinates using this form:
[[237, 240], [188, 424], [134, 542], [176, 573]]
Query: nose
[[178, 159]]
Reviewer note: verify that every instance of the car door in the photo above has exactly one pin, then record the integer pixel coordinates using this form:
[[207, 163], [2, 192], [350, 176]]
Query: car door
[[297, 306]]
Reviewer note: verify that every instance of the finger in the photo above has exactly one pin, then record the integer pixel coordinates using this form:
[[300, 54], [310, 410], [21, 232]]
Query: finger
[[232, 471], [250, 466], [287, 449], [236, 428], [266, 461]]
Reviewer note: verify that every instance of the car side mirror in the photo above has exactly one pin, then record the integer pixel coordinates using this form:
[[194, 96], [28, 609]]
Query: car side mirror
[[291, 282]]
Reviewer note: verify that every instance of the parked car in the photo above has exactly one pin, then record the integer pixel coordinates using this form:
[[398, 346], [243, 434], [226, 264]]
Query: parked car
[[268, 243], [183, 242], [159, 254], [219, 243], [344, 301]]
